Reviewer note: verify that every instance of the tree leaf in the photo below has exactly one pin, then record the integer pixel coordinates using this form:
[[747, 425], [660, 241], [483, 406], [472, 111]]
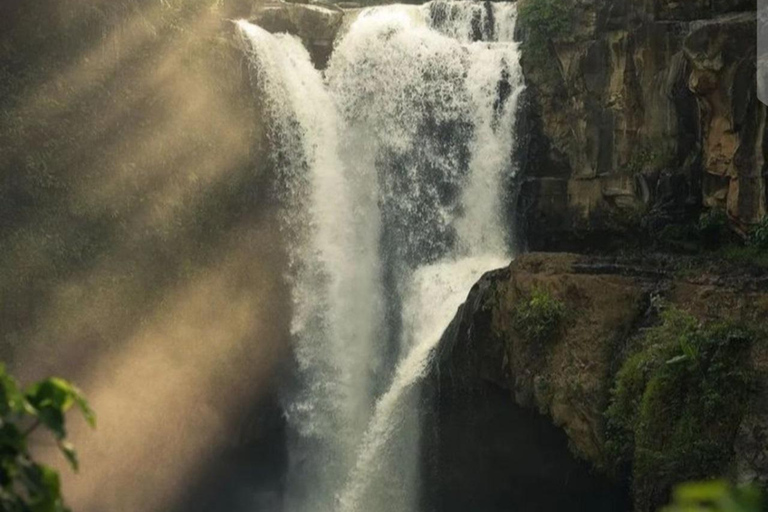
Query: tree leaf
[[696, 492], [11, 399], [64, 395], [678, 359], [26, 486], [52, 393], [85, 408], [49, 498], [53, 397], [68, 449], [12, 441], [53, 419]]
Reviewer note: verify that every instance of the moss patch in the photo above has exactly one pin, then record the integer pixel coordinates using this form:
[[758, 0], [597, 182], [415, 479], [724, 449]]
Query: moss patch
[[538, 318], [676, 405]]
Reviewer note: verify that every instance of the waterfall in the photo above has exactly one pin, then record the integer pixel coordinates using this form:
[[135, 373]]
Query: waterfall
[[393, 168]]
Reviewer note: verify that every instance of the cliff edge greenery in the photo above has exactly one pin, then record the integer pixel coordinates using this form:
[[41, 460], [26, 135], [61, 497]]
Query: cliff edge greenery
[[655, 367], [677, 404]]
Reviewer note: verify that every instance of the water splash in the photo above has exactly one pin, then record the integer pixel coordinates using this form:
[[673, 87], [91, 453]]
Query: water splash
[[394, 168], [331, 225]]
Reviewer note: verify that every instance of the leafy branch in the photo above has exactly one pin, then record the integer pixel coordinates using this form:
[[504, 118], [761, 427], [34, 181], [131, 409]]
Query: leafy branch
[[26, 485]]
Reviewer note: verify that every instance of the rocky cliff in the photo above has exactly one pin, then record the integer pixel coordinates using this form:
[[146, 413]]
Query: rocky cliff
[[639, 112], [654, 376]]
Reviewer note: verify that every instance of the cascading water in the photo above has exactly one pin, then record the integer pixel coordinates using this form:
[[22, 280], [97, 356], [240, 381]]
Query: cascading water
[[393, 170]]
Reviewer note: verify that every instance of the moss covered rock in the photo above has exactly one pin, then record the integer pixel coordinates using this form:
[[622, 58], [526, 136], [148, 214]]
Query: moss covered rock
[[677, 404], [656, 375]]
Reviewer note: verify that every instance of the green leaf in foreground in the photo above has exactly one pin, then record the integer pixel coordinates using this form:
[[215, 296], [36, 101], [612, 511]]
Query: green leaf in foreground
[[25, 485], [714, 496]]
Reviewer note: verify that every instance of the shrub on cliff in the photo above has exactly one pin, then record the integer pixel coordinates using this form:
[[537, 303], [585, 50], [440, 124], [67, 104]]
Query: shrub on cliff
[[26, 485], [677, 404], [543, 20], [758, 236], [539, 317], [751, 252]]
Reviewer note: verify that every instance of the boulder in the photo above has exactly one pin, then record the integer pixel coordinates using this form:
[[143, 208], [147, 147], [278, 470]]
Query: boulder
[[315, 24]]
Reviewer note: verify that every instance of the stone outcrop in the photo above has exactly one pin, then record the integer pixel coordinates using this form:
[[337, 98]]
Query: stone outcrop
[[315, 24], [485, 443], [642, 107], [569, 379]]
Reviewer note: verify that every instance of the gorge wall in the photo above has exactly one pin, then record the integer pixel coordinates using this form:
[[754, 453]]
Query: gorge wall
[[148, 151], [639, 112], [498, 386]]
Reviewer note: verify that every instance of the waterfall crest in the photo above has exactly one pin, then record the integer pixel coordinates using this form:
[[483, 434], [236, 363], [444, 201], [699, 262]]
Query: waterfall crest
[[393, 170]]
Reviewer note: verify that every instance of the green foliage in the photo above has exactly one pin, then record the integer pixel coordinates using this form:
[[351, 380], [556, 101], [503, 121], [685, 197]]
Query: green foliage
[[758, 235], [538, 318], [714, 496], [752, 252], [711, 232], [677, 403], [25, 485], [749, 255], [544, 20]]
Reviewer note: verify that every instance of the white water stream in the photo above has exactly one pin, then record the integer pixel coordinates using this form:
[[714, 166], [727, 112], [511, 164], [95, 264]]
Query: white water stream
[[394, 167]]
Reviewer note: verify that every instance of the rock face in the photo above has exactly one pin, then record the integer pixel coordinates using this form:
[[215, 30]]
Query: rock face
[[485, 445], [641, 107], [315, 24], [492, 385]]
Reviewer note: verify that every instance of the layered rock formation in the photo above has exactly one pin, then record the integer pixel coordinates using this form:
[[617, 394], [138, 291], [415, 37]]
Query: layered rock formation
[[642, 109], [568, 378]]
